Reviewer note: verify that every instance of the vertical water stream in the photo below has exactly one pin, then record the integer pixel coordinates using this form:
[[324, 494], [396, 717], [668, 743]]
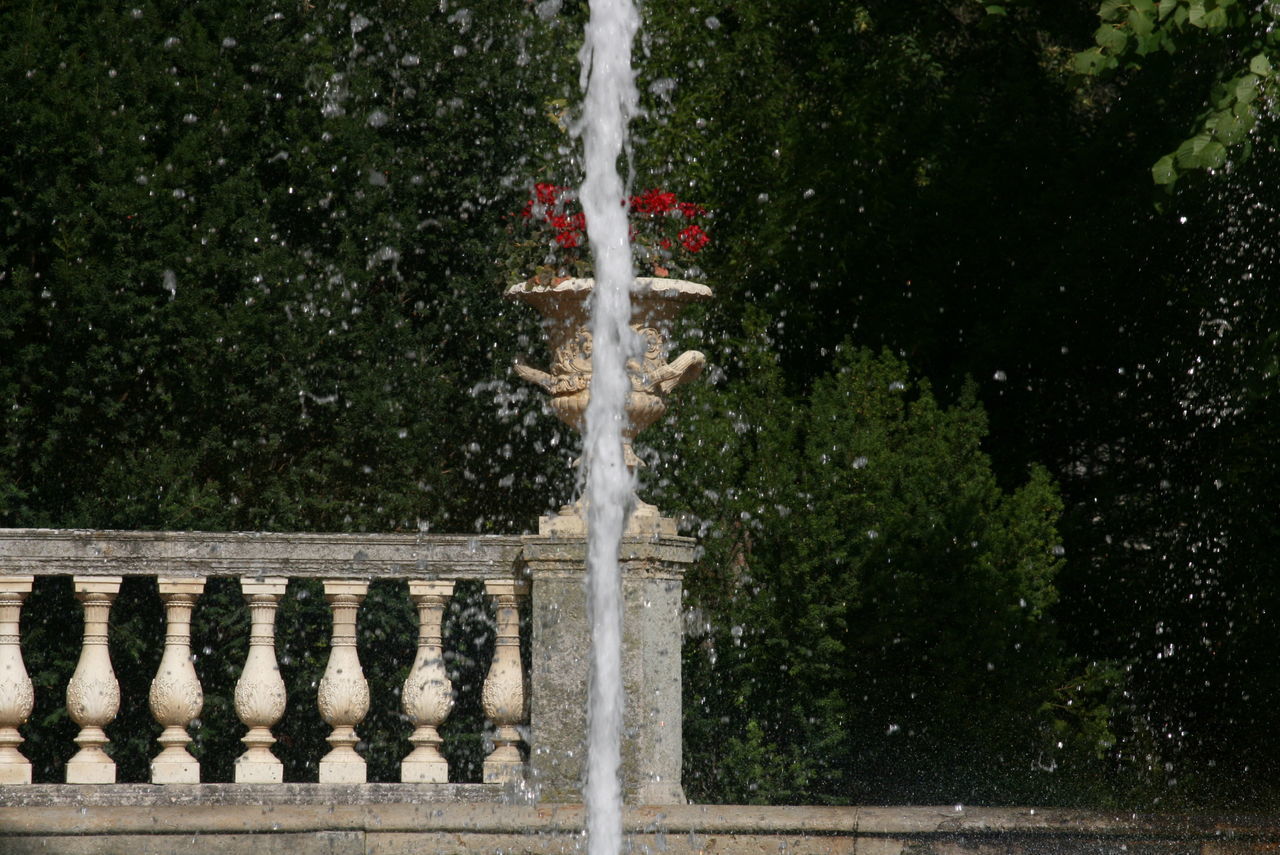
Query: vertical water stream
[[611, 100]]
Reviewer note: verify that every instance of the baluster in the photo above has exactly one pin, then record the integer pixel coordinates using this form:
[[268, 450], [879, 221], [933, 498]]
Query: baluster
[[93, 695], [176, 698], [260, 690], [504, 697], [17, 695], [343, 694], [428, 694]]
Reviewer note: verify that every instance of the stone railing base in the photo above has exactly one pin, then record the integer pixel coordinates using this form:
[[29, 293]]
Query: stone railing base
[[317, 819]]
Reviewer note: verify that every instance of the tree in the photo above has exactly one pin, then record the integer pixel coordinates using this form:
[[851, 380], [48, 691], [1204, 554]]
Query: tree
[[247, 282], [1235, 42], [873, 607]]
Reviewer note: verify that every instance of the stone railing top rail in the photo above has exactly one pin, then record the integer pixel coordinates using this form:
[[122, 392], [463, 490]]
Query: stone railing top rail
[[34, 551]]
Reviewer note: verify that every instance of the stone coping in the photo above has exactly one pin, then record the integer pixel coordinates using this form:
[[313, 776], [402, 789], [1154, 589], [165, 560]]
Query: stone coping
[[239, 808], [34, 551], [216, 795]]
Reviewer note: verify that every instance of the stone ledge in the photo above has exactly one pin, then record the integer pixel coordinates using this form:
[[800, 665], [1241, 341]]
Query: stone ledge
[[241, 808], [319, 827], [266, 795], [198, 553]]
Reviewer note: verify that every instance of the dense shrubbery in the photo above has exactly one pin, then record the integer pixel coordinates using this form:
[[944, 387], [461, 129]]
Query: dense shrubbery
[[872, 608]]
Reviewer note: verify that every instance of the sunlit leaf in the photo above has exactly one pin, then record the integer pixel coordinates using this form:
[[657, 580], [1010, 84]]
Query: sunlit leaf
[[1111, 10], [1141, 22], [1188, 154], [1215, 19], [1091, 62], [1164, 172], [1228, 128], [1213, 155], [1111, 38], [1247, 88]]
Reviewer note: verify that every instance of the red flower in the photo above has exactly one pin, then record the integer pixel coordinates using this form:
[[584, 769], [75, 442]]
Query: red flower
[[690, 210], [694, 238], [653, 201], [567, 239], [547, 194]]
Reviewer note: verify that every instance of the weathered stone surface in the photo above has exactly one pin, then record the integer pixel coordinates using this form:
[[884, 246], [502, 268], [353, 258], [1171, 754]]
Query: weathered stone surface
[[652, 569], [326, 826], [304, 843], [57, 796], [199, 553], [566, 312]]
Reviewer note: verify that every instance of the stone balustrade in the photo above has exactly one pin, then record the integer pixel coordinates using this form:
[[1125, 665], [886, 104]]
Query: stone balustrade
[[541, 575], [181, 562]]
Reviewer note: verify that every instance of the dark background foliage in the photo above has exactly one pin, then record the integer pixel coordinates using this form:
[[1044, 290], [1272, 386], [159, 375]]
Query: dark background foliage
[[980, 469]]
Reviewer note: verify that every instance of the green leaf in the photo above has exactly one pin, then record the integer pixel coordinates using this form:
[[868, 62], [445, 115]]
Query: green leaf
[[1111, 38], [1213, 155], [1195, 13], [1147, 44], [1111, 10], [1141, 22], [1167, 7], [1091, 61], [1146, 7], [996, 10], [1164, 172], [1244, 110], [1247, 88], [1188, 154], [1215, 19], [1260, 65], [1227, 128]]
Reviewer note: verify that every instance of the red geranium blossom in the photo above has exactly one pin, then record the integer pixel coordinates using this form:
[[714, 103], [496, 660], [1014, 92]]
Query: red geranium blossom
[[693, 238], [550, 233], [653, 201]]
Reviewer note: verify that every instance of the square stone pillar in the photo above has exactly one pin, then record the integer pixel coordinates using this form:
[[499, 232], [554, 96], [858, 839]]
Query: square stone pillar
[[652, 571]]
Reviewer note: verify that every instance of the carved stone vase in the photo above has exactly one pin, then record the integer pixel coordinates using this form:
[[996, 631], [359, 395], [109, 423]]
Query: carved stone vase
[[566, 313]]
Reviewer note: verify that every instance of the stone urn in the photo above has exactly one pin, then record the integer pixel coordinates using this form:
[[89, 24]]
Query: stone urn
[[566, 314]]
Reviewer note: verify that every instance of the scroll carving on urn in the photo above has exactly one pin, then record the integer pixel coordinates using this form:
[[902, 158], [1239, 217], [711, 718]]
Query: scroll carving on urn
[[566, 317]]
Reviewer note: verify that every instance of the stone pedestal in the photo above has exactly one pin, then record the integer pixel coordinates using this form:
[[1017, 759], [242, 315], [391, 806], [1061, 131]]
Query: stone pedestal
[[652, 567]]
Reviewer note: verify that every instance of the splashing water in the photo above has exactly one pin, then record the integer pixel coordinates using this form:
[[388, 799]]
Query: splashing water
[[611, 100]]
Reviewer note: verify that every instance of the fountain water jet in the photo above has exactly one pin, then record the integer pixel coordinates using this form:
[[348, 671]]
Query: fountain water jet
[[611, 99]]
